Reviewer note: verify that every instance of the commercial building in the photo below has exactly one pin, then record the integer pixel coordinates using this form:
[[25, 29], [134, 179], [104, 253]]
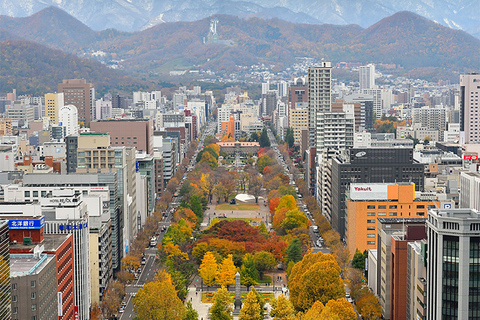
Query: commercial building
[[369, 165], [387, 264], [368, 201], [469, 111], [5, 288], [416, 280], [53, 103], [82, 95], [34, 288], [366, 77], [453, 264], [298, 92], [127, 133], [431, 119], [298, 123], [319, 96], [470, 190], [68, 119], [367, 115], [5, 126]]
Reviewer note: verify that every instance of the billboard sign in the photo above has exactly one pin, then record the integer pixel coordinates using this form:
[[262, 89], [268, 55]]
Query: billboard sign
[[26, 223], [367, 191], [471, 156]]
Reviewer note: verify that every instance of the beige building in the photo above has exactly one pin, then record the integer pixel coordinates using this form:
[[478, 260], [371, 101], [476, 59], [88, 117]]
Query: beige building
[[53, 103], [298, 122], [5, 127]]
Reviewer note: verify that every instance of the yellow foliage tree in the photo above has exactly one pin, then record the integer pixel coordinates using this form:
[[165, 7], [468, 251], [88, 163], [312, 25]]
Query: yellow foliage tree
[[315, 277], [208, 269], [282, 309], [250, 309], [369, 307], [340, 307], [226, 272], [158, 300], [130, 263]]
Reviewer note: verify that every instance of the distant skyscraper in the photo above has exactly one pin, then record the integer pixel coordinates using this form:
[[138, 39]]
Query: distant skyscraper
[[469, 111], [53, 103], [319, 95], [68, 118], [367, 77], [81, 94]]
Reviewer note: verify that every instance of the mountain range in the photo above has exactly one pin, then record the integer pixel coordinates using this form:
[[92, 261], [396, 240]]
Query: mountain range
[[135, 15], [416, 45]]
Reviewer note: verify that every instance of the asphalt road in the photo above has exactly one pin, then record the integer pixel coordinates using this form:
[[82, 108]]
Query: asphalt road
[[150, 267]]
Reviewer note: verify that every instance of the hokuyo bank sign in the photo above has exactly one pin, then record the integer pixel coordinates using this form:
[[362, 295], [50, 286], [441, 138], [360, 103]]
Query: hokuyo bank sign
[[368, 191]]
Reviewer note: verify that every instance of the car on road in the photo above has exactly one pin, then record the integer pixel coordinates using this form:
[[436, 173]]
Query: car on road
[[144, 261]]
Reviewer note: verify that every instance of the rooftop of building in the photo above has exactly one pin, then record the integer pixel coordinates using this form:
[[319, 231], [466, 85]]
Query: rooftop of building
[[83, 134], [50, 243], [401, 220], [122, 120], [27, 264], [460, 214]]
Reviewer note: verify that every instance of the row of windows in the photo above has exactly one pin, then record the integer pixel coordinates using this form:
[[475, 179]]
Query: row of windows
[[419, 206]]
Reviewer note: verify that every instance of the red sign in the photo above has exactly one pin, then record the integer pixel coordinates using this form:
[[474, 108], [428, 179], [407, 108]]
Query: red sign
[[470, 157], [362, 188], [75, 311]]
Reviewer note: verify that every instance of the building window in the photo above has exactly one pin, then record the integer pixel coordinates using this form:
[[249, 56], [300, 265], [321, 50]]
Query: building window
[[34, 307], [371, 242], [27, 194], [450, 270], [14, 286], [35, 194], [420, 206], [370, 228], [421, 214], [34, 295], [15, 310], [14, 298], [33, 283], [382, 214], [371, 214], [392, 214], [370, 221], [382, 207], [474, 276], [370, 235]]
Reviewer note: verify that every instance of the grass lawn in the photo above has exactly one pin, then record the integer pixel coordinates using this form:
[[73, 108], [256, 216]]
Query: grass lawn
[[241, 206], [208, 297]]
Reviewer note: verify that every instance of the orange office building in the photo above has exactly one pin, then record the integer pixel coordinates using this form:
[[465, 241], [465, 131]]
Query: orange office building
[[367, 201]]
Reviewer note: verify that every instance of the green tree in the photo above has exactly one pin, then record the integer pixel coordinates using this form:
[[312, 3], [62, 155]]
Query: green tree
[[254, 136], [248, 272], [264, 262], [250, 309], [294, 251], [222, 308], [208, 268], [358, 261], [289, 138], [190, 313], [282, 309], [158, 300], [264, 141], [260, 302], [263, 162]]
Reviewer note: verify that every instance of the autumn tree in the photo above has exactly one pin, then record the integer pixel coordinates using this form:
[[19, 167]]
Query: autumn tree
[[315, 277], [158, 300], [226, 272], [222, 308], [369, 307], [249, 274], [272, 205], [113, 298], [130, 262], [282, 309], [264, 262], [208, 269], [255, 187], [341, 308], [190, 312], [263, 162], [187, 214], [250, 309]]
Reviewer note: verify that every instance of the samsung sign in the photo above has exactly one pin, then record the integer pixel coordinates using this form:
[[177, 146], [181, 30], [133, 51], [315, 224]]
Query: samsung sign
[[26, 223], [366, 191]]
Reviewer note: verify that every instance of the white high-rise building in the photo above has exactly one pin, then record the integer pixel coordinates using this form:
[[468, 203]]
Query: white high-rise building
[[68, 118], [469, 109], [367, 77], [319, 96]]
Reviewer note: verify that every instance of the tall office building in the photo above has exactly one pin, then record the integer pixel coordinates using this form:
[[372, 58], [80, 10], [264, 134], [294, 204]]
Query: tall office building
[[469, 110], [367, 77], [453, 266], [5, 298], [81, 94], [319, 96], [53, 103], [430, 118], [68, 119]]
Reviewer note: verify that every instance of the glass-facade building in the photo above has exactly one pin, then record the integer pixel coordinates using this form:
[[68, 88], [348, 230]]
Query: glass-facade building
[[453, 265], [5, 292]]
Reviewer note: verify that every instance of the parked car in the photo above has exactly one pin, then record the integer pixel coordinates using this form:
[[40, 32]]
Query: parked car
[[233, 201]]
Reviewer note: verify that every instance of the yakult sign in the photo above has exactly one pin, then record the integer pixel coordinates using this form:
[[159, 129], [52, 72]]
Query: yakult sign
[[368, 191]]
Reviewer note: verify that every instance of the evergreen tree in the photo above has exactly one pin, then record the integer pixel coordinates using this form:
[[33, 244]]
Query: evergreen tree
[[222, 305], [294, 251], [358, 261], [264, 141], [289, 138]]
